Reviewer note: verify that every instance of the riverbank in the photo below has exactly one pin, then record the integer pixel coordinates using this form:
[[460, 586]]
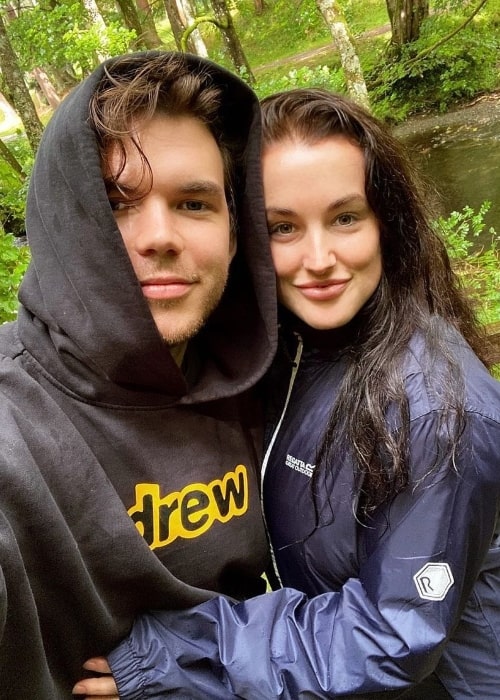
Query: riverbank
[[482, 110]]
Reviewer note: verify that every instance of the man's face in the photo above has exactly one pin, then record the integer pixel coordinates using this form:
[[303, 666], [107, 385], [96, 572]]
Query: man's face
[[178, 235]]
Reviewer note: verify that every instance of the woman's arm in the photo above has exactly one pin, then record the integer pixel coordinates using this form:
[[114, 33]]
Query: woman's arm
[[380, 634]]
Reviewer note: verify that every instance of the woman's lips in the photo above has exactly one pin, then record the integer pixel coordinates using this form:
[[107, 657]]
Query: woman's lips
[[322, 291]]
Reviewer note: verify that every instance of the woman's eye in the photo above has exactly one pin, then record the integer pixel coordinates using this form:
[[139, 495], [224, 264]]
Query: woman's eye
[[283, 229], [345, 219]]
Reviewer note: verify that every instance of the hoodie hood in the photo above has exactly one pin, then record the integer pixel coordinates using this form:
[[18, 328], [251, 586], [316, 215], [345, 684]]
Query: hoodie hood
[[83, 315]]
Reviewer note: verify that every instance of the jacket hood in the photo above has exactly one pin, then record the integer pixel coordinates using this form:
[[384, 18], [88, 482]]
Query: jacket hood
[[83, 315]]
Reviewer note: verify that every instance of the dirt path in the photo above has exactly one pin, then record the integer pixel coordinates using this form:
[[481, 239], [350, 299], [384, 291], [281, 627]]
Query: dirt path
[[304, 56]]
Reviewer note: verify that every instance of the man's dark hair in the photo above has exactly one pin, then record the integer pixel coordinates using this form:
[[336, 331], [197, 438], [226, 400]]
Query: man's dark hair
[[132, 91]]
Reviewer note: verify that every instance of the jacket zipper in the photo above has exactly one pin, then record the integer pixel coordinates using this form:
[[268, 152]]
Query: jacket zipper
[[293, 375]]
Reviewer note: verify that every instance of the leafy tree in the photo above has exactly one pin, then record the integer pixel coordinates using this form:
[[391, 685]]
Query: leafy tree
[[454, 58], [61, 38], [15, 90]]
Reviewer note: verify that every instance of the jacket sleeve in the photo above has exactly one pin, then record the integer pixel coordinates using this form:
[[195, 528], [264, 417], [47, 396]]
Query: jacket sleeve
[[381, 633]]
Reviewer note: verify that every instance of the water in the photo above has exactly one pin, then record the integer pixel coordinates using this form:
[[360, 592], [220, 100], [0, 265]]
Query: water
[[460, 154]]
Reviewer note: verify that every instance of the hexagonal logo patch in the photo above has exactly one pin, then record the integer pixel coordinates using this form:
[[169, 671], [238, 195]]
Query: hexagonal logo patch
[[433, 581]]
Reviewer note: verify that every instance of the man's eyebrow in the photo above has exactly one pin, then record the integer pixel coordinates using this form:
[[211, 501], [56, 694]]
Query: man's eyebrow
[[207, 187]]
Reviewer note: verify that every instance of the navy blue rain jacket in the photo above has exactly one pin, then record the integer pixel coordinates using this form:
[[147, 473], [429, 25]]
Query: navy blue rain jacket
[[408, 606]]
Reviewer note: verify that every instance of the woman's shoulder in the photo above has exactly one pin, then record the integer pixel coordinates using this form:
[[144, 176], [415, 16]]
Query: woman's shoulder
[[434, 373]]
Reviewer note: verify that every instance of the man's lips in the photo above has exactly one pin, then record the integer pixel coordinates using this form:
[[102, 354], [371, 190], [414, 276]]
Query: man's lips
[[323, 290], [168, 287]]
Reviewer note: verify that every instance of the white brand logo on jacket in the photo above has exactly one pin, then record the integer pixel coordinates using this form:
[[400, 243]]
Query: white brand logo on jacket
[[433, 581], [190, 512], [299, 465]]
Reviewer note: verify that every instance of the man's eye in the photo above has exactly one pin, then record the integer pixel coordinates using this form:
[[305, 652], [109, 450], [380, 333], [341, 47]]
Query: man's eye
[[122, 203], [194, 205], [119, 205]]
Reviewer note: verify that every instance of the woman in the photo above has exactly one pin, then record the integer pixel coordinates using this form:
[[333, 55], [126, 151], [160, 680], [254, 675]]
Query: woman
[[381, 484]]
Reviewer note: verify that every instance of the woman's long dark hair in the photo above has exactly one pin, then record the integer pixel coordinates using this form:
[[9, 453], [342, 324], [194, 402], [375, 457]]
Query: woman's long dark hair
[[418, 290]]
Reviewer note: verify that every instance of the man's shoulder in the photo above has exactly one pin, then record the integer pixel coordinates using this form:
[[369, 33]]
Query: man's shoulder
[[18, 388], [10, 345]]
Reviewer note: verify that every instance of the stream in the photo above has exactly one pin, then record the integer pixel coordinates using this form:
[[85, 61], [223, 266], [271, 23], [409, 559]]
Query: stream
[[459, 153]]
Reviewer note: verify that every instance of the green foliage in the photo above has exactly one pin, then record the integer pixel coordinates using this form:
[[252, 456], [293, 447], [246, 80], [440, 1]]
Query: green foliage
[[60, 35], [365, 15], [477, 268], [321, 76], [463, 66], [37, 33], [13, 263], [284, 28], [12, 187], [87, 42]]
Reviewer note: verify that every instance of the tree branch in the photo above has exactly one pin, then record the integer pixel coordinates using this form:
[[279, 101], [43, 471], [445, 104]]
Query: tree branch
[[194, 25]]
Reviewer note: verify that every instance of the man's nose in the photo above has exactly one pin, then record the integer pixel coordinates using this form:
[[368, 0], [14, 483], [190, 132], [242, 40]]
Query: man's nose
[[160, 232]]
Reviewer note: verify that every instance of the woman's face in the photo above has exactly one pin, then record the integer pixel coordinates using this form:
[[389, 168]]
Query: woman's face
[[325, 239]]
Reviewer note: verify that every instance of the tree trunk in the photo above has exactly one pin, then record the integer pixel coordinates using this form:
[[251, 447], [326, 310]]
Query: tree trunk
[[46, 87], [175, 22], [15, 89], [231, 39], [259, 6], [149, 33], [356, 86], [406, 17], [97, 19], [132, 21], [195, 41]]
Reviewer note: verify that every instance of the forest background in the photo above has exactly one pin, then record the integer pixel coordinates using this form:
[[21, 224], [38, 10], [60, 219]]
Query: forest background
[[398, 57]]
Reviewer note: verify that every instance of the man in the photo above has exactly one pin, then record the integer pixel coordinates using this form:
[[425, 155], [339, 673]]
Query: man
[[130, 436]]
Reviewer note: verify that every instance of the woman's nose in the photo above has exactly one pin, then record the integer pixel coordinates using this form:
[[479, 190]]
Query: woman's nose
[[319, 255]]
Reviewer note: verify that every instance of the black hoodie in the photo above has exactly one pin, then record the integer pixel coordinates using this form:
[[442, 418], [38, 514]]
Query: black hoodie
[[121, 487]]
